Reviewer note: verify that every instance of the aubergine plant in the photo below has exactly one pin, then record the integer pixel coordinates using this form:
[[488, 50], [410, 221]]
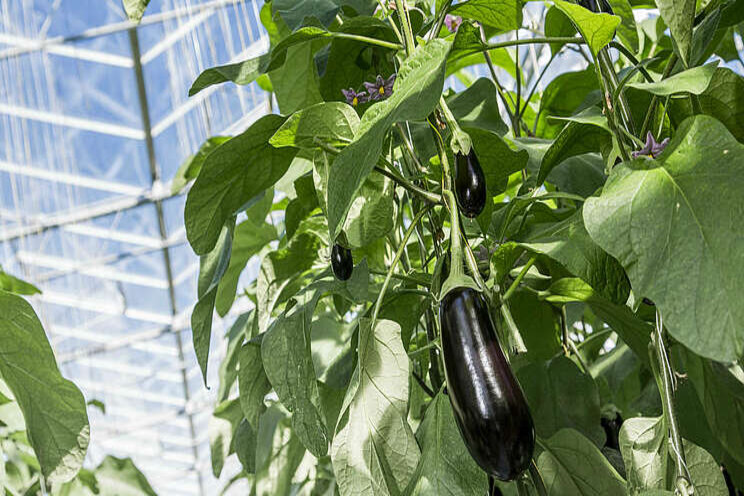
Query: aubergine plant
[[551, 305]]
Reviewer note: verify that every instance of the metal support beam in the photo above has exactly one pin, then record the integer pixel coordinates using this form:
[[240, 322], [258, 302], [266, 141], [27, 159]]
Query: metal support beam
[[155, 178]]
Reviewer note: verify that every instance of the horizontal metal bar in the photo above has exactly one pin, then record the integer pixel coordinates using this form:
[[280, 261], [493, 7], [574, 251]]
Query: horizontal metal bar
[[72, 179], [26, 45], [73, 122]]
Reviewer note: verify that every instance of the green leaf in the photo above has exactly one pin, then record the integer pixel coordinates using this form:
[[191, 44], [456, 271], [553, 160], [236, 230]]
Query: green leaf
[[228, 372], [374, 451], [296, 82], [643, 444], [235, 172], [679, 15], [695, 81], [303, 205], [478, 107], [705, 472], [581, 175], [212, 267], [332, 123], [288, 362], [571, 464], [722, 396], [253, 385], [445, 467], [561, 396], [279, 276], [245, 446], [12, 284], [634, 331], [501, 15], [53, 407], [372, 212], [415, 94], [278, 470], [568, 243], [224, 422], [558, 25], [627, 30], [135, 9], [683, 259], [724, 100], [120, 476], [537, 323], [294, 12], [243, 72], [563, 96], [250, 236], [597, 29], [585, 132], [191, 167]]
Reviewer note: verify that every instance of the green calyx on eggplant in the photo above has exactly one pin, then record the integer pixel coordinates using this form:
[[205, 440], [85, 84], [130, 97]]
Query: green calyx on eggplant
[[470, 184], [489, 406], [342, 262]]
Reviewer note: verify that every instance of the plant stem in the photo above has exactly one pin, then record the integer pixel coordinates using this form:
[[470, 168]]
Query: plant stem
[[629, 55], [518, 279], [499, 88], [442, 152], [423, 385], [537, 479], [386, 12], [395, 261], [367, 39], [402, 277], [654, 99], [405, 22], [534, 87], [530, 41], [408, 185], [434, 375], [667, 399]]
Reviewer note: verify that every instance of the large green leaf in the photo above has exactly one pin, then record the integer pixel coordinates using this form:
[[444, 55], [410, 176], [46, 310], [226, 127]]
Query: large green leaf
[[253, 385], [374, 451], [722, 395], [294, 12], [582, 175], [571, 464], [597, 29], [250, 236], [679, 15], [190, 168], [568, 243], [12, 284], [243, 72], [53, 407], [501, 15], [223, 424], [478, 107], [286, 453], [287, 359], [415, 94], [557, 24], [627, 30], [121, 477], [536, 321], [705, 472], [296, 82], [331, 123], [673, 224], [561, 396], [643, 443], [212, 267], [445, 467], [562, 97], [585, 132], [724, 100], [695, 81], [238, 170]]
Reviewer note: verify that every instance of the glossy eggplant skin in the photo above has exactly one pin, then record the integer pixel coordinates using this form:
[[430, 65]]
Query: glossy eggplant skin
[[470, 184], [597, 6], [488, 403], [342, 262]]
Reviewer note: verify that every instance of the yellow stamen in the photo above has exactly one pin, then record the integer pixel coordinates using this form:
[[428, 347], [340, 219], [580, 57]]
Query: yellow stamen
[[355, 101], [382, 90]]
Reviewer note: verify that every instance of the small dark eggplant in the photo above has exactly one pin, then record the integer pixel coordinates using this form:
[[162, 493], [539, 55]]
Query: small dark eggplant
[[470, 184], [341, 262], [612, 430], [597, 6], [489, 406]]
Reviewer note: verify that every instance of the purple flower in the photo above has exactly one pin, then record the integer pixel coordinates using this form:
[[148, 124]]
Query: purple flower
[[452, 22], [651, 148], [381, 88], [353, 98]]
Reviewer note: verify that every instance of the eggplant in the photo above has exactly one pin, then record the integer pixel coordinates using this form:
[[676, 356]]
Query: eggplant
[[342, 262], [597, 6], [612, 430], [470, 184], [489, 406]]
